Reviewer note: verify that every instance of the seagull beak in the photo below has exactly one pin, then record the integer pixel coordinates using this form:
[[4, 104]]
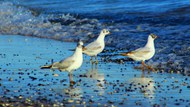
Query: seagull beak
[[123, 54], [83, 48], [155, 37]]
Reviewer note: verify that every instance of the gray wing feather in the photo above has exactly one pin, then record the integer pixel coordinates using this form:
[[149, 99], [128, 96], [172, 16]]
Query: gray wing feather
[[63, 64], [140, 52], [92, 46]]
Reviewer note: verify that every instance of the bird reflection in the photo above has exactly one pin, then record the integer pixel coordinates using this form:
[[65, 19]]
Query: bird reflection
[[93, 73], [145, 85], [75, 93], [96, 79]]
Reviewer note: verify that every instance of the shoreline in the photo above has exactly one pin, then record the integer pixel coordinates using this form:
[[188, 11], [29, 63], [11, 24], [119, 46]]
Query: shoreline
[[169, 66], [109, 84], [172, 46]]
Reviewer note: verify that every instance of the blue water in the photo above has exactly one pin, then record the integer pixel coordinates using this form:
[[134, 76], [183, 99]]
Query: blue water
[[115, 10], [106, 6], [129, 21]]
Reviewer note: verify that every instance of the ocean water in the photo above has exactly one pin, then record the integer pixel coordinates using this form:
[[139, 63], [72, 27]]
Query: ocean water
[[129, 22], [129, 11]]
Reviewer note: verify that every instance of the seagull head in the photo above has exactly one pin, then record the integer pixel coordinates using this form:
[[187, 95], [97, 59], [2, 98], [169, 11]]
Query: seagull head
[[80, 44], [153, 36], [105, 32]]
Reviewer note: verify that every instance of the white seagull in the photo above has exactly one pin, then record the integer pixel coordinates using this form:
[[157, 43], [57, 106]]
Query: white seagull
[[97, 46], [69, 64], [144, 53]]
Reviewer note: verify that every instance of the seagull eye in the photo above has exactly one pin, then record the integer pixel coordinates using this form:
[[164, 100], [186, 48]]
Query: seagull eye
[[152, 35]]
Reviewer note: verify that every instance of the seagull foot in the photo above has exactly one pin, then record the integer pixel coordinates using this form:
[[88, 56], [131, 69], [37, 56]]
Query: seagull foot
[[92, 62], [150, 68], [72, 83], [96, 62]]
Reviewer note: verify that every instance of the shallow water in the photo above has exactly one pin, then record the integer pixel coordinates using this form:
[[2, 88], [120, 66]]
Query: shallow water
[[23, 81]]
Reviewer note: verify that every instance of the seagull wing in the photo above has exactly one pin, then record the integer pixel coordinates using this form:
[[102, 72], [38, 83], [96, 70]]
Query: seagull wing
[[93, 46], [64, 64], [140, 52]]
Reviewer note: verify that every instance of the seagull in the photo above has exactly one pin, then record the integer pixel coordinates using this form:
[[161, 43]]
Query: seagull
[[69, 64], [143, 53], [97, 46]]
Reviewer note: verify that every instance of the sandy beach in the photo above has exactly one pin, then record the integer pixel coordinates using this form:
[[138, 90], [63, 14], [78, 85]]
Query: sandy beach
[[23, 83]]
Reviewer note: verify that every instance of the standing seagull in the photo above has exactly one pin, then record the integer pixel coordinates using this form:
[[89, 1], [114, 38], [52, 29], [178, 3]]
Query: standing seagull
[[97, 46], [69, 64], [144, 53]]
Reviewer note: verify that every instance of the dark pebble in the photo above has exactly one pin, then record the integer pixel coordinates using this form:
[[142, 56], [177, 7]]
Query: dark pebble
[[41, 85], [90, 101], [110, 102], [33, 78], [177, 103]]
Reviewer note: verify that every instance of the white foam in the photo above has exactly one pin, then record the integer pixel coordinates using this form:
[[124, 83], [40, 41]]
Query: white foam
[[20, 20]]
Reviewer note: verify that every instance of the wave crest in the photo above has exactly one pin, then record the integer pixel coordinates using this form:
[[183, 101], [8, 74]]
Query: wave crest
[[22, 21]]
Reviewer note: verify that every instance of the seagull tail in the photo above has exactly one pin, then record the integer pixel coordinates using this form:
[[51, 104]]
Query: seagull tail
[[46, 67], [84, 48]]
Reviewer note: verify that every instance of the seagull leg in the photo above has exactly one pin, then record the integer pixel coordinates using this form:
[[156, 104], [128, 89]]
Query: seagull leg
[[148, 67], [96, 66], [71, 79], [143, 64], [91, 60], [96, 60]]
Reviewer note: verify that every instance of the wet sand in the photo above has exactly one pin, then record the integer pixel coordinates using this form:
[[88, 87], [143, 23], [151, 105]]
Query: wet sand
[[23, 83]]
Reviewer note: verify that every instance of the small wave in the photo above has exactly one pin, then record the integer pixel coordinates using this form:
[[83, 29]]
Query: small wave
[[181, 10], [19, 20]]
